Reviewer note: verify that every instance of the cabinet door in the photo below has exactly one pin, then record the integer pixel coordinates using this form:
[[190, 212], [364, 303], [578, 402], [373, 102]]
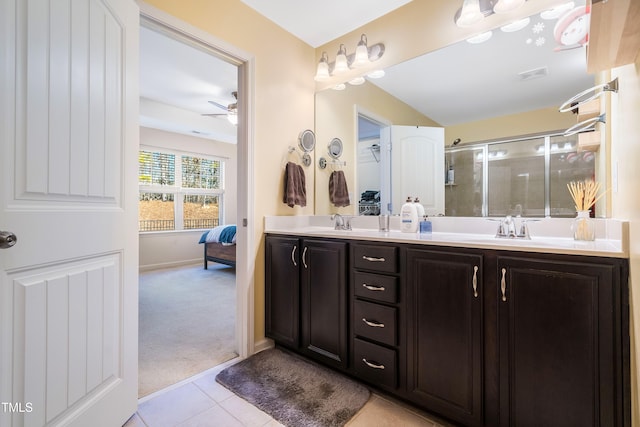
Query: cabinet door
[[558, 363], [282, 290], [445, 333], [324, 294]]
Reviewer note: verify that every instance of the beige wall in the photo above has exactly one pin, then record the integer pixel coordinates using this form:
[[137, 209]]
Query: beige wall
[[625, 156], [532, 122], [336, 117], [168, 248]]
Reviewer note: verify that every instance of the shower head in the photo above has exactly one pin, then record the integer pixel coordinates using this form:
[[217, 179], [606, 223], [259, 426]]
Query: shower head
[[456, 142]]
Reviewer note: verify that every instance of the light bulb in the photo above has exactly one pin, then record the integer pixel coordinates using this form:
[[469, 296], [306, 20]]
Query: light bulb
[[322, 73], [470, 13], [362, 53], [341, 61]]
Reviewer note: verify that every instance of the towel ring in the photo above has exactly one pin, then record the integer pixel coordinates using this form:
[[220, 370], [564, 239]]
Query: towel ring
[[585, 125], [575, 102]]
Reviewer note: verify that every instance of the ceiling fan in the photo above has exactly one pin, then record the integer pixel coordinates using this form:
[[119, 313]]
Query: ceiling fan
[[232, 109]]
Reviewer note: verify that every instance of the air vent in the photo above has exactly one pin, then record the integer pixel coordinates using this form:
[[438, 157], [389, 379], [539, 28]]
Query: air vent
[[533, 74]]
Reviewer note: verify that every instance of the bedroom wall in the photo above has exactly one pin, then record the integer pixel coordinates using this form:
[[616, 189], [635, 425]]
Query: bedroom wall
[[172, 248]]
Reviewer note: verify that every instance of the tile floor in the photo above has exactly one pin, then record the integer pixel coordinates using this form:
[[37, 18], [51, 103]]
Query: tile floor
[[202, 402]]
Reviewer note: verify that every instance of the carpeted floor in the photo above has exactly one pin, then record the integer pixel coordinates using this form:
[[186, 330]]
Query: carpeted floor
[[187, 323], [295, 391]]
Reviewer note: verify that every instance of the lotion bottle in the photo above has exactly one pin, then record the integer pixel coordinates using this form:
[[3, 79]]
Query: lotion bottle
[[409, 217]]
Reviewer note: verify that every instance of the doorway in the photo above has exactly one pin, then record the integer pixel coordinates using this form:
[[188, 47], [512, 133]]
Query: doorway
[[236, 165], [369, 166]]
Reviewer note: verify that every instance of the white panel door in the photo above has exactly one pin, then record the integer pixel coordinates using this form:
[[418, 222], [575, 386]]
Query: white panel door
[[68, 166], [413, 165]]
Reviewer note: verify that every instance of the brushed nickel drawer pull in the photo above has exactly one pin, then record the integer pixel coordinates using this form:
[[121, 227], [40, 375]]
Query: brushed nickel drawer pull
[[372, 365], [503, 285], [373, 324], [475, 281], [372, 259], [293, 255], [373, 288], [304, 255]]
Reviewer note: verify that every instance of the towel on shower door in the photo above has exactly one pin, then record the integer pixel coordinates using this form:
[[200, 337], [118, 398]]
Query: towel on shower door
[[338, 191], [295, 191]]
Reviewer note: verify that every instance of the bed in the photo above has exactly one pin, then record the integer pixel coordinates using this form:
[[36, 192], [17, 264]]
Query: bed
[[220, 245]]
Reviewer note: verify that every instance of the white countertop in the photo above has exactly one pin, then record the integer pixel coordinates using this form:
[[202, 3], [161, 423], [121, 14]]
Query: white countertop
[[548, 235]]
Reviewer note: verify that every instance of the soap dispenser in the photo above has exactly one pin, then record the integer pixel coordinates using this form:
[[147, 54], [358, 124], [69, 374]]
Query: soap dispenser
[[409, 217]]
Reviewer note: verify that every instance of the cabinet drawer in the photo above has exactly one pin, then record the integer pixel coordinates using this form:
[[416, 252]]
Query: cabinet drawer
[[375, 321], [375, 363], [376, 287], [376, 258]]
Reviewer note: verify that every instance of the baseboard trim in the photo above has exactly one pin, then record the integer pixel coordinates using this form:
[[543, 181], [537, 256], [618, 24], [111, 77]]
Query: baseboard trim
[[183, 263], [263, 344]]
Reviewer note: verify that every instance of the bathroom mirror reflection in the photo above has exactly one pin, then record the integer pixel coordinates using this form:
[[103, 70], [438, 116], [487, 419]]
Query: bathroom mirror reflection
[[504, 89]]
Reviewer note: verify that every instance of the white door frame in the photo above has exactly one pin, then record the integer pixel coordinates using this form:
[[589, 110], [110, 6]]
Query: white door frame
[[245, 263]]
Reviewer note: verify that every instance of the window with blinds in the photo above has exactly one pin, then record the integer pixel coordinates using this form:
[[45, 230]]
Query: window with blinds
[[179, 191]]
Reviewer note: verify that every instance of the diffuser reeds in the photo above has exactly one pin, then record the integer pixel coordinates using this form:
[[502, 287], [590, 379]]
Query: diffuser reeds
[[585, 195]]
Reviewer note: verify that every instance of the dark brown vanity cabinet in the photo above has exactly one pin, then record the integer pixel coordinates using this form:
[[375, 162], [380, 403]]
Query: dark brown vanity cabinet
[[563, 341], [282, 290], [445, 330], [306, 296], [377, 314]]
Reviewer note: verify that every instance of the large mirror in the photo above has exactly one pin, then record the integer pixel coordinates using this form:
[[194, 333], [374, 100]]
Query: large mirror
[[508, 87]]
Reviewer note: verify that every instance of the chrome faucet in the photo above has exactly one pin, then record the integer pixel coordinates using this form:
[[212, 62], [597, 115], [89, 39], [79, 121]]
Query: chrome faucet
[[507, 229], [342, 223]]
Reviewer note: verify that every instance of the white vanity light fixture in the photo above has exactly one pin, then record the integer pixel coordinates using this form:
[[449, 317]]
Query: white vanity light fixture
[[506, 6], [357, 81], [364, 55], [473, 12]]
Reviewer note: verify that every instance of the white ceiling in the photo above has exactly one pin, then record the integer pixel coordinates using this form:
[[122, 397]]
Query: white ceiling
[[177, 81], [319, 22], [457, 84]]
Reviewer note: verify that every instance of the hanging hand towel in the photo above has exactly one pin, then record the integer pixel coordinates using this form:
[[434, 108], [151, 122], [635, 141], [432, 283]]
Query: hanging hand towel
[[295, 192], [338, 191]]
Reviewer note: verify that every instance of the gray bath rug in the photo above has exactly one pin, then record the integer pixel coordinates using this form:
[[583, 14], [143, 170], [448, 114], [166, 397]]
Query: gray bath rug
[[295, 391]]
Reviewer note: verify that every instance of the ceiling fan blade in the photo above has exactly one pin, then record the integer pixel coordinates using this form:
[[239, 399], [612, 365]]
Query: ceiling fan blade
[[222, 107]]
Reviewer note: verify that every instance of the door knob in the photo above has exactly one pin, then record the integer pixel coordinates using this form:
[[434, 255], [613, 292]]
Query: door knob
[[7, 239]]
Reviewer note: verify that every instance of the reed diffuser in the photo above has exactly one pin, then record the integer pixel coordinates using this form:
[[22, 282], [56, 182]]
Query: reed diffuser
[[585, 195]]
